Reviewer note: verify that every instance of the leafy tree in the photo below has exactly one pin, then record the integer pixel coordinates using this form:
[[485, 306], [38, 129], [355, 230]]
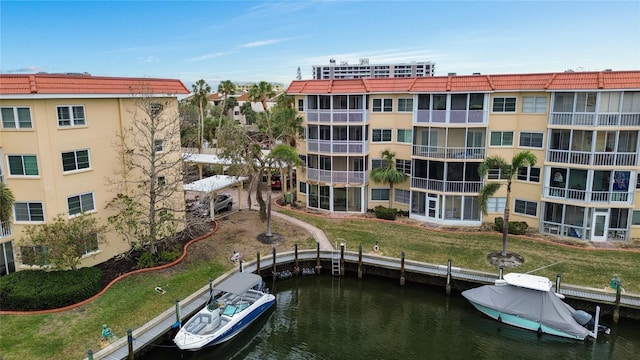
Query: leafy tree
[[60, 243], [287, 155], [189, 124], [149, 189], [200, 91], [388, 174], [508, 172], [6, 203]]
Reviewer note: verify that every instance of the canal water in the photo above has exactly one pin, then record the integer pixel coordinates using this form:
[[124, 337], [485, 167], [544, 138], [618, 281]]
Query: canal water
[[322, 317]]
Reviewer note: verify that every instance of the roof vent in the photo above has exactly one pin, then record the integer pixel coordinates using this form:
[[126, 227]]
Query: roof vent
[[608, 70], [476, 73], [452, 74]]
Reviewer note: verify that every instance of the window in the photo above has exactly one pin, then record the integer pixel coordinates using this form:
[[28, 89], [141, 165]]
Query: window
[[80, 203], [25, 165], [526, 207], [377, 163], [405, 105], [156, 109], [382, 105], [159, 145], [300, 105], [162, 181], [502, 138], [28, 211], [497, 174], [75, 160], [16, 117], [302, 187], [402, 196], [531, 139], [381, 135], [534, 104], [531, 174], [496, 204], [404, 136], [635, 219], [404, 166], [71, 115], [504, 104], [638, 182], [379, 194], [91, 244]]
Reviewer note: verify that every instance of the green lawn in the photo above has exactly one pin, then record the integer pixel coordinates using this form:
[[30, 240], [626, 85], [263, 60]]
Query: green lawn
[[132, 302]]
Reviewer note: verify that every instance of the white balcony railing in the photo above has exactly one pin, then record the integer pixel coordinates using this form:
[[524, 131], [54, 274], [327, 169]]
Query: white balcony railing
[[450, 117], [599, 197], [442, 152], [353, 116], [446, 186], [337, 177], [338, 147], [595, 159], [595, 119], [5, 229]]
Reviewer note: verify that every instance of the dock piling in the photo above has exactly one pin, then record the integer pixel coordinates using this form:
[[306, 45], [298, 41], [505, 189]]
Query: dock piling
[[558, 278], [342, 258], [360, 261], [501, 272], [296, 267], [318, 266], [90, 354], [402, 279], [448, 287], [130, 342], [258, 262], [273, 257]]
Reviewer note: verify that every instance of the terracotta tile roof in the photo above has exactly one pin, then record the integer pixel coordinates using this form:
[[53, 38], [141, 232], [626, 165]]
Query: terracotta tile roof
[[84, 84], [614, 80]]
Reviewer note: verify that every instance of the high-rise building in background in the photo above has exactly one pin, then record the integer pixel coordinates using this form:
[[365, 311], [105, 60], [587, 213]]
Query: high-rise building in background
[[363, 69]]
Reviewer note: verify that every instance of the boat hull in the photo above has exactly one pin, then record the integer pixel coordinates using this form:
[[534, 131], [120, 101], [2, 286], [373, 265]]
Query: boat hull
[[193, 342], [522, 323]]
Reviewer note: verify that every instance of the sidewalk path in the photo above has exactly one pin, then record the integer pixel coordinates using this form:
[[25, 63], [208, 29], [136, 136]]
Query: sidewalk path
[[317, 234]]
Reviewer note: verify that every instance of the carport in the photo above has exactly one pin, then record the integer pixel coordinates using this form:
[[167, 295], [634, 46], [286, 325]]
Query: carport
[[212, 184]]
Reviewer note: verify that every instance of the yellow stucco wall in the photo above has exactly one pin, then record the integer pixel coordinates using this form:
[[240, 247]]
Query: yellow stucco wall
[[104, 118]]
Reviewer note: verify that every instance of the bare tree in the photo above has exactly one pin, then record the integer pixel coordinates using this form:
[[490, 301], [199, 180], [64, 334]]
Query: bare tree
[[149, 205]]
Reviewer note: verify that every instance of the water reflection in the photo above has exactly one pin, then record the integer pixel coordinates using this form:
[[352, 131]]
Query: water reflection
[[328, 318]]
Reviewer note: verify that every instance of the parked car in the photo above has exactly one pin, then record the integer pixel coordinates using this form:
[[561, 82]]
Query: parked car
[[221, 202], [276, 182]]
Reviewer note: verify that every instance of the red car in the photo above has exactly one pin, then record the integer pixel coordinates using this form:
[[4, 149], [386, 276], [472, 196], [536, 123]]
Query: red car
[[276, 182]]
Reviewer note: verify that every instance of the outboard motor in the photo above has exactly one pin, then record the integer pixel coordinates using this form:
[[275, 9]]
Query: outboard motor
[[585, 319]]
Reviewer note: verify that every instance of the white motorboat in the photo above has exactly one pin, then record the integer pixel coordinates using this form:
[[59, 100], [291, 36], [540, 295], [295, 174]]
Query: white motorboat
[[233, 305], [528, 302]]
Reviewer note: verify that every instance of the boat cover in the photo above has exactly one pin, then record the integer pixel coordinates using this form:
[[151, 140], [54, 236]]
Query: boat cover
[[239, 283], [544, 307]]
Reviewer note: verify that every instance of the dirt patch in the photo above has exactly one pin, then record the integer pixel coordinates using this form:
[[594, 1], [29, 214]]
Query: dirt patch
[[237, 232]]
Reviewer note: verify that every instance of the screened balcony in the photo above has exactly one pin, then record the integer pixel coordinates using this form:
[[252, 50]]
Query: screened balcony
[[337, 177], [337, 146], [451, 109], [5, 229], [614, 109], [329, 109]]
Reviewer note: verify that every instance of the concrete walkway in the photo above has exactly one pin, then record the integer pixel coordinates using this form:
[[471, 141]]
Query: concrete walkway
[[317, 234]]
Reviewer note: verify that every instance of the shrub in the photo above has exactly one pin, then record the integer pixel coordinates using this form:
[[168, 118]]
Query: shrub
[[41, 290], [146, 261], [385, 213], [515, 227], [168, 256]]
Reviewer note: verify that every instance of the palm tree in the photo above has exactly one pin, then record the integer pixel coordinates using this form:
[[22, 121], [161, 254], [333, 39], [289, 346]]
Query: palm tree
[[261, 92], [200, 91], [226, 88], [388, 174], [508, 172]]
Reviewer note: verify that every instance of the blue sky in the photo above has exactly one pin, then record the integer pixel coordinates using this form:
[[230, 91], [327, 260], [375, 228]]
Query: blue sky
[[247, 41]]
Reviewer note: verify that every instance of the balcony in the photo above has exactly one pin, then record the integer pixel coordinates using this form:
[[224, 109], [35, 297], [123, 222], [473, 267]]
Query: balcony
[[595, 197], [337, 147], [5, 229], [451, 117], [442, 152], [353, 116], [595, 119], [446, 186], [337, 177], [592, 159]]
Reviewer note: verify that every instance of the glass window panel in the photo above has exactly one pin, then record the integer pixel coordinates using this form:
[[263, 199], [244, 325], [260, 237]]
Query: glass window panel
[[8, 121]]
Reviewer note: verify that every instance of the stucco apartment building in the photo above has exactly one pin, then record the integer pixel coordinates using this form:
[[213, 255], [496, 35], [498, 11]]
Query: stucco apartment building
[[58, 153], [582, 126]]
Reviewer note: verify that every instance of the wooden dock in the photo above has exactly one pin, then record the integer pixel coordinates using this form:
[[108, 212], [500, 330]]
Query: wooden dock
[[150, 332]]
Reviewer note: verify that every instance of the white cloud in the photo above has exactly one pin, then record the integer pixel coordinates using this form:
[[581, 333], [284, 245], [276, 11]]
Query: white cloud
[[263, 43], [207, 56]]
